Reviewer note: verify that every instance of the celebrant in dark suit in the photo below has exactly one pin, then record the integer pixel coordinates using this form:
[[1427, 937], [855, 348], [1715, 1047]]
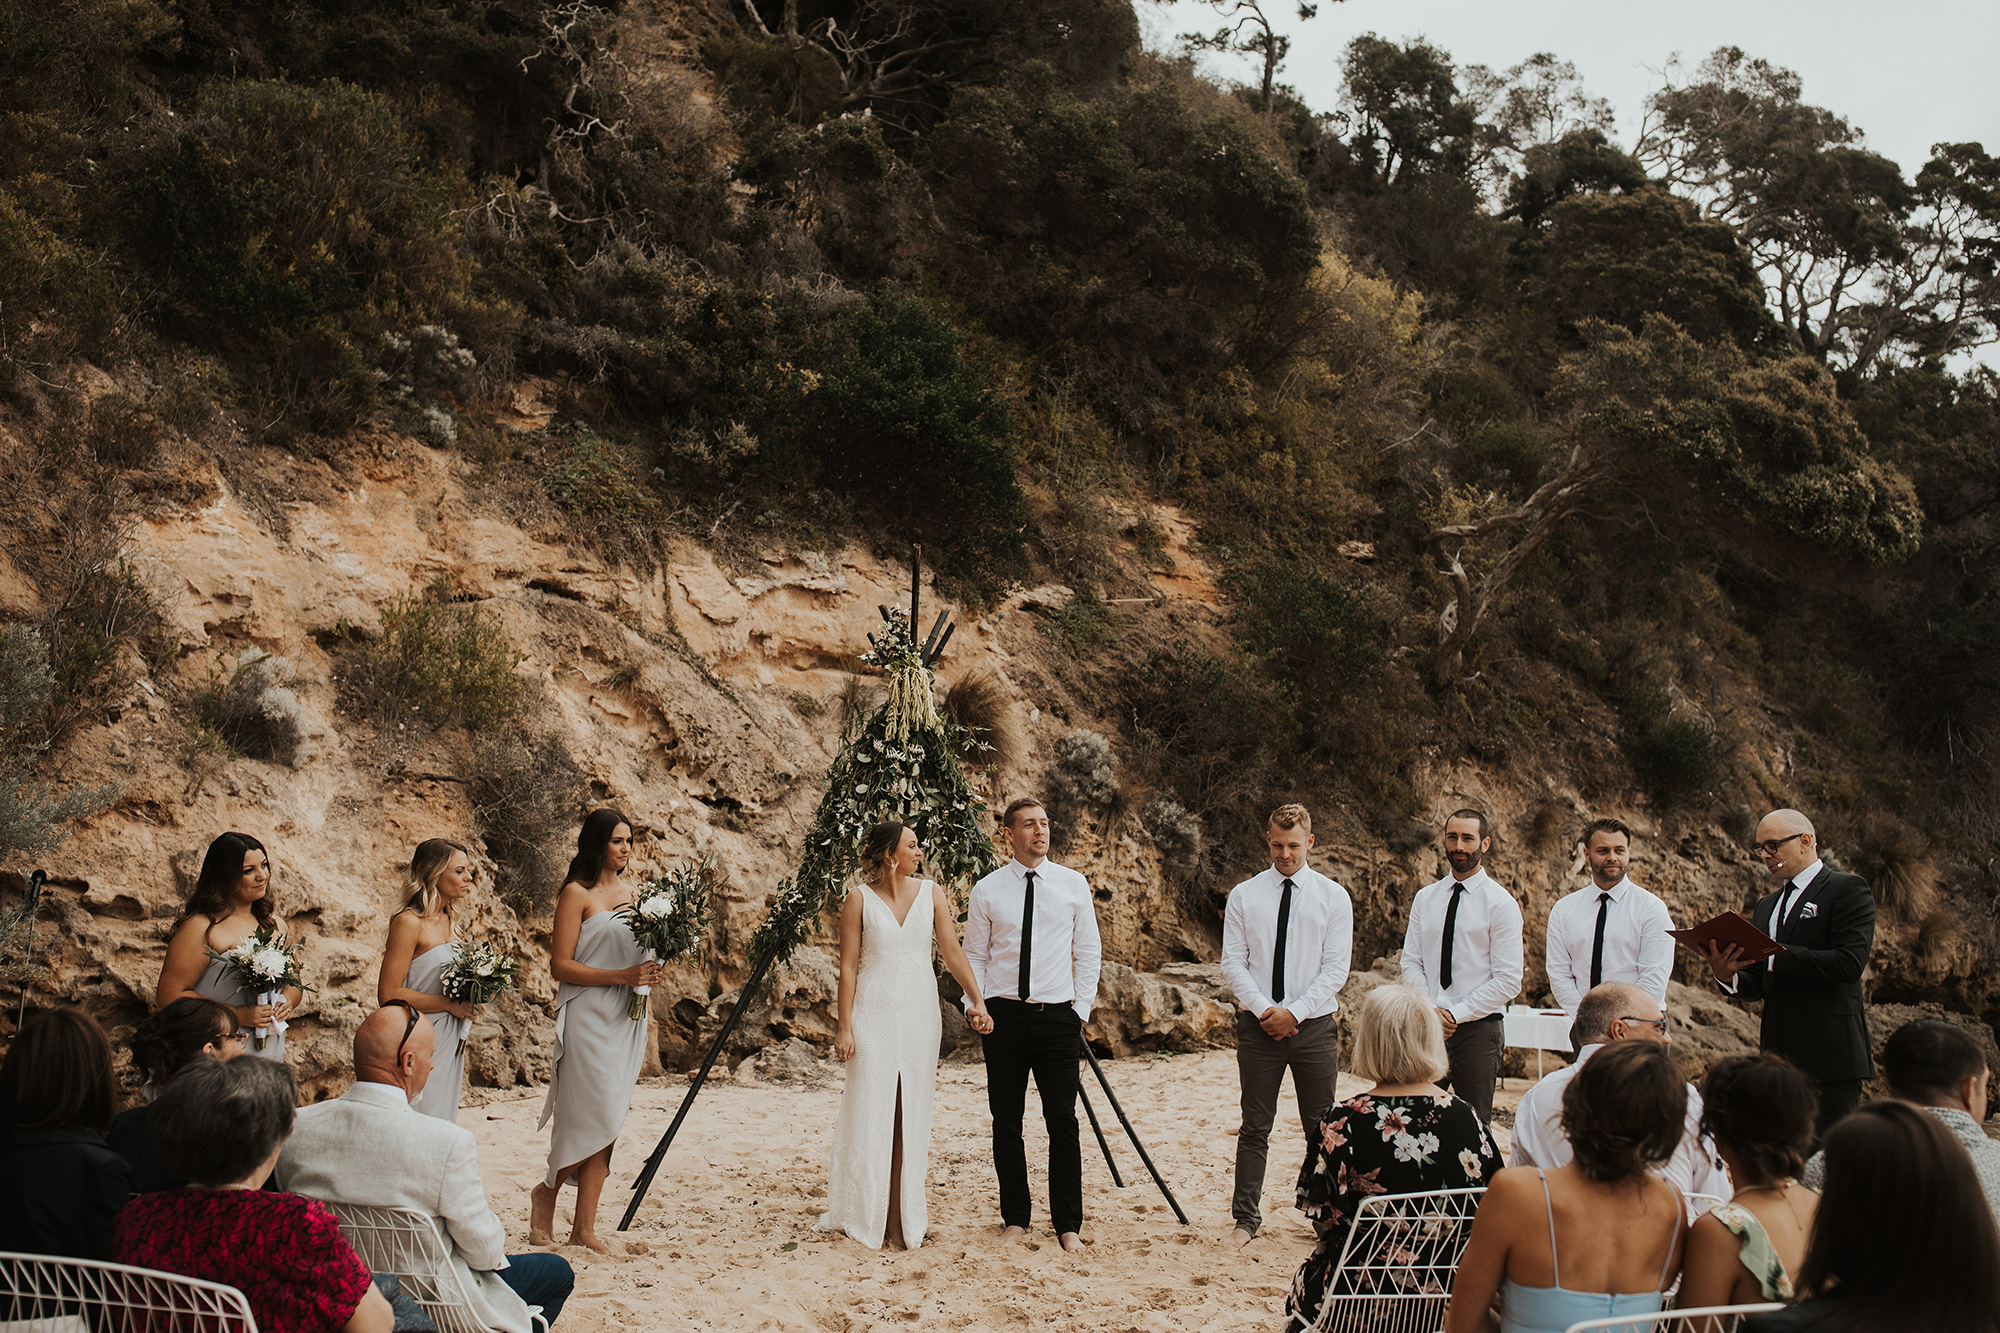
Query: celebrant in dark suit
[[1813, 1009]]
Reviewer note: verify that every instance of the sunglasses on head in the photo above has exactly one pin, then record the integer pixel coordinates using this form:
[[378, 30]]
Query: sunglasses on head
[[411, 1009]]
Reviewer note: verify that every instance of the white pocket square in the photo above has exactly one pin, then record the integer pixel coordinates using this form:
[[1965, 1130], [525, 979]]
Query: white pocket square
[[1809, 911]]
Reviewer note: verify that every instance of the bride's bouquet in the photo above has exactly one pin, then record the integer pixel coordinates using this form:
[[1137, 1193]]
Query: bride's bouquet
[[669, 919], [263, 965], [476, 973]]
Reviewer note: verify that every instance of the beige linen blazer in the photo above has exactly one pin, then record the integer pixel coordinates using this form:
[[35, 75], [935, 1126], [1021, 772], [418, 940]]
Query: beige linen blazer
[[367, 1146]]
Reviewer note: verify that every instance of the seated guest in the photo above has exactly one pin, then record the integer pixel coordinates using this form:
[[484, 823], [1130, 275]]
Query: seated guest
[[60, 1186], [1942, 1068], [1903, 1239], [220, 1127], [1759, 1110], [1405, 1135], [1599, 1238], [189, 1028], [369, 1146], [1613, 1012]]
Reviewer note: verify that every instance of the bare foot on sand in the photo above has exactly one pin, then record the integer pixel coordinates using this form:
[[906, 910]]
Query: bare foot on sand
[[1071, 1242], [1241, 1236], [1013, 1233], [541, 1215], [589, 1241]]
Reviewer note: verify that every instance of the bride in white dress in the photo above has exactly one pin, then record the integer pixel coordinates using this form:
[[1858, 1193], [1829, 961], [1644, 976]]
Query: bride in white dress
[[888, 1035]]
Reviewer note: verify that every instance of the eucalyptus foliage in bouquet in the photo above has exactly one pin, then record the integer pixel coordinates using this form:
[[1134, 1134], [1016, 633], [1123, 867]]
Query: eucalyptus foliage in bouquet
[[901, 763], [669, 919], [263, 965], [476, 973]]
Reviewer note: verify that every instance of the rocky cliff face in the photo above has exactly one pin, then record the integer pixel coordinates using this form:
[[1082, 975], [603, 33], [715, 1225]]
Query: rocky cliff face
[[700, 695]]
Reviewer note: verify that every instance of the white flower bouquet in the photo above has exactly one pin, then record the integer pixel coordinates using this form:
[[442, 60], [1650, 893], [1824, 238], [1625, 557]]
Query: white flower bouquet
[[669, 919], [476, 973], [263, 965]]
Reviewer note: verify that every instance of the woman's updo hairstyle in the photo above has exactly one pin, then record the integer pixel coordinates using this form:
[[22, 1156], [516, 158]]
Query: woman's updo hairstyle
[[1761, 1107], [164, 1042], [420, 881], [879, 845], [1625, 1111]]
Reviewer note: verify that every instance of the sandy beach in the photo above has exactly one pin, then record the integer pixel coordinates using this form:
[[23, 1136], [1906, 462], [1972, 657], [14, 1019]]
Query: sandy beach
[[725, 1239]]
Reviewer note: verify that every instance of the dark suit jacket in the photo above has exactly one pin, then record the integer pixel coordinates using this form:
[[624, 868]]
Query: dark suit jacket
[[1813, 1013]]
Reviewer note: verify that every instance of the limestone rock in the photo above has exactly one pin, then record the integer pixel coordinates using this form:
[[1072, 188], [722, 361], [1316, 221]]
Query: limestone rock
[[792, 1062], [1144, 1011]]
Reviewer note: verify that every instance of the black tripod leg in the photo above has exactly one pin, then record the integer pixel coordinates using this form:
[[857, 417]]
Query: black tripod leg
[[1098, 1130], [645, 1180], [1131, 1133]]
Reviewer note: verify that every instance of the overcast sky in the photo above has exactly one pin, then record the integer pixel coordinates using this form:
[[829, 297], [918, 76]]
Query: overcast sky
[[1908, 75]]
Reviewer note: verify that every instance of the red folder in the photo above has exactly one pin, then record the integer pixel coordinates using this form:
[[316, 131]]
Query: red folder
[[1727, 929]]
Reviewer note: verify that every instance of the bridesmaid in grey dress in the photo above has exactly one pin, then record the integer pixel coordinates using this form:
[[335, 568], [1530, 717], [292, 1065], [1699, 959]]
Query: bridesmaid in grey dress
[[231, 901], [422, 943], [599, 1046]]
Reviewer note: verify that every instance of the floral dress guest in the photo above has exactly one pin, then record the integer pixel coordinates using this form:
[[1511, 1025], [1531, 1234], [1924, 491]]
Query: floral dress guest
[[1405, 1135]]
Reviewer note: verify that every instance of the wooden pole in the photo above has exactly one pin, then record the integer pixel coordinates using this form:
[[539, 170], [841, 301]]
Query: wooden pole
[[916, 584]]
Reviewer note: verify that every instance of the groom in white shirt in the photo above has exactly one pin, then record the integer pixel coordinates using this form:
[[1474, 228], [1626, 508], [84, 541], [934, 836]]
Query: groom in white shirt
[[1287, 939], [1031, 937]]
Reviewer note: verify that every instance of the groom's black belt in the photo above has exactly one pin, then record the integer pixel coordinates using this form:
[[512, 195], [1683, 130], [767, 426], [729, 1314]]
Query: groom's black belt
[[1031, 1004]]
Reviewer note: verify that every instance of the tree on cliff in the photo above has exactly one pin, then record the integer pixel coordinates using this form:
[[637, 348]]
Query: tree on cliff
[[1699, 439], [31, 814]]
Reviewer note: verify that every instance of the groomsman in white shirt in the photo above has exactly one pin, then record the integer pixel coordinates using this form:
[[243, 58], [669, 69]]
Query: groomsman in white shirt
[[1287, 939], [1031, 938], [1612, 931], [1463, 951]]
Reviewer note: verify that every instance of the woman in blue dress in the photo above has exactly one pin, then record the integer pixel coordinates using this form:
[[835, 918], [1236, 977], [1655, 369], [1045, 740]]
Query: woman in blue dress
[[1599, 1238]]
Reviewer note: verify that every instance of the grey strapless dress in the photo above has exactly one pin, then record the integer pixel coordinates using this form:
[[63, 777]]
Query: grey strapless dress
[[440, 1094], [598, 1050], [219, 983]]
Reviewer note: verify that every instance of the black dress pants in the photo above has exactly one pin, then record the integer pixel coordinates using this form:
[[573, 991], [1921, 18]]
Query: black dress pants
[[1046, 1041]]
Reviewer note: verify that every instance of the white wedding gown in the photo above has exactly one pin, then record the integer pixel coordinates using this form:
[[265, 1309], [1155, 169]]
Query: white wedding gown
[[896, 1034]]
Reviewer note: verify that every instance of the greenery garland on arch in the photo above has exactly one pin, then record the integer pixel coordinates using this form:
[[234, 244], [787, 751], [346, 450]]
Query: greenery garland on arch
[[900, 763]]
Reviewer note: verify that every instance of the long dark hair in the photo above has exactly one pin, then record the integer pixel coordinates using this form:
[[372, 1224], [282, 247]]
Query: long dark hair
[[1903, 1236], [879, 844], [164, 1042], [57, 1072], [591, 842], [214, 894]]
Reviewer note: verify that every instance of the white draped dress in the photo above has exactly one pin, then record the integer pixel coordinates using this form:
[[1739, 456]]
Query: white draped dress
[[896, 1033], [598, 1050], [441, 1092]]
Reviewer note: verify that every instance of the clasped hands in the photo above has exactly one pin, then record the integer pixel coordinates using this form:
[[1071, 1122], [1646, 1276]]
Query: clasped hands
[[1278, 1022]]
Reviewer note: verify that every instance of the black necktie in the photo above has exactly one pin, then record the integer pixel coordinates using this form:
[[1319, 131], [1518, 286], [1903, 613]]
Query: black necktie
[[1027, 935], [1278, 954], [1597, 945], [1790, 916], [1450, 928]]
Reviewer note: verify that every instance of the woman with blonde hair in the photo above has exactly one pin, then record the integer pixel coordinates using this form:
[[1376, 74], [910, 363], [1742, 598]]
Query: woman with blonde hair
[[422, 943], [1405, 1135]]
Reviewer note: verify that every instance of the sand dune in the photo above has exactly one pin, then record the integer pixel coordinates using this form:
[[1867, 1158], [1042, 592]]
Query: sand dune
[[725, 1239]]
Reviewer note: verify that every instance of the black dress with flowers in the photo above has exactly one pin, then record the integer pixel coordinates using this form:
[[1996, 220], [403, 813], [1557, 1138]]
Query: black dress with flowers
[[1380, 1145]]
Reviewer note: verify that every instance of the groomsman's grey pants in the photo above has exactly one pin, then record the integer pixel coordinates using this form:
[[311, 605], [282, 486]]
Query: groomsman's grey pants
[[1313, 1055], [1474, 1052]]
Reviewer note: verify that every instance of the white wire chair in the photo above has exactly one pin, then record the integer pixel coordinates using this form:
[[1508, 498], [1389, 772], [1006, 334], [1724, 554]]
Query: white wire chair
[[1708, 1319], [407, 1244], [42, 1293], [1396, 1269]]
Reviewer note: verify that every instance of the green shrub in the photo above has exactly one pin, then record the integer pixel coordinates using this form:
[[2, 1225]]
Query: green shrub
[[526, 794], [1080, 628], [291, 226], [244, 705], [1675, 760], [31, 815], [437, 661], [1316, 634]]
